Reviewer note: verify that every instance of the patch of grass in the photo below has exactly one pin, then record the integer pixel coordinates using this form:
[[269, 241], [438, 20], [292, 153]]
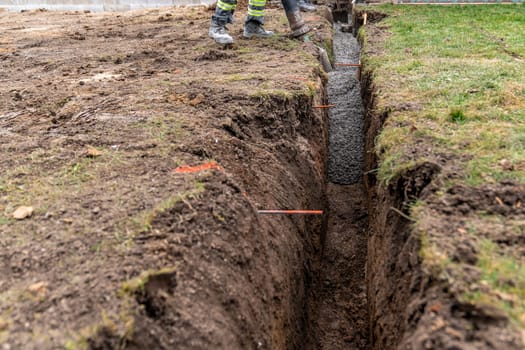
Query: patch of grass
[[121, 326], [311, 88], [266, 94], [4, 220], [199, 187], [78, 172], [38, 184], [465, 66], [143, 221], [504, 276], [239, 77], [434, 259], [245, 50], [329, 50], [137, 284], [163, 128], [80, 344], [457, 116], [390, 168]]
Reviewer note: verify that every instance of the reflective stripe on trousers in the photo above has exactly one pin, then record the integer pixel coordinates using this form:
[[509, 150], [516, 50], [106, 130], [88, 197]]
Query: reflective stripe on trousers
[[225, 8], [256, 11], [224, 12], [227, 5]]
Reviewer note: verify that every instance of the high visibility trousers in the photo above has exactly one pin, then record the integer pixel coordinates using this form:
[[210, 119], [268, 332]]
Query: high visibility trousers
[[225, 9], [256, 11]]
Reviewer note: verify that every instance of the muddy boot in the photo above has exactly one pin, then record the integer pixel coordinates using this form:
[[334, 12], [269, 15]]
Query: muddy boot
[[297, 25], [219, 33], [295, 20], [254, 29], [306, 6]]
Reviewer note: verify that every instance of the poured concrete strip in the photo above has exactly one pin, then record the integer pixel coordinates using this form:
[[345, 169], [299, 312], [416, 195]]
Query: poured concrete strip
[[346, 149]]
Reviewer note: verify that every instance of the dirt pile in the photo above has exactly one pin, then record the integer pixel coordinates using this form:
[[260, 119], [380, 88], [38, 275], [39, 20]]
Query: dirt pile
[[108, 125]]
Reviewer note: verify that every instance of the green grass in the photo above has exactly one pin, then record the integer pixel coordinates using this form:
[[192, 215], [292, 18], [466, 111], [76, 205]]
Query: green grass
[[121, 326], [137, 284], [5, 220], [433, 258], [168, 127], [463, 67], [142, 222], [505, 276], [239, 77]]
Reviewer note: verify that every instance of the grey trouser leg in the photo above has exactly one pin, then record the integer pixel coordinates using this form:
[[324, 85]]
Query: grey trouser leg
[[256, 11], [224, 12]]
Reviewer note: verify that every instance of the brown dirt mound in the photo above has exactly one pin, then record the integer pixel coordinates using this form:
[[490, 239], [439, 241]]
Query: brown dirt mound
[[96, 112]]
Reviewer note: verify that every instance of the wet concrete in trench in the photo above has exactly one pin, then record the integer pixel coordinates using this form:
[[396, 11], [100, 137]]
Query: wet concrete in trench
[[338, 318], [346, 118]]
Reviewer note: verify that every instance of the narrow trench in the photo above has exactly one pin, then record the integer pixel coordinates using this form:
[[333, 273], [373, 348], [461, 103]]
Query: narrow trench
[[337, 309]]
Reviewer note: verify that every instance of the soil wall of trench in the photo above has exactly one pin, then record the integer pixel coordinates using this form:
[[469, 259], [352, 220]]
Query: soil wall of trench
[[248, 285], [244, 277], [399, 291], [242, 280]]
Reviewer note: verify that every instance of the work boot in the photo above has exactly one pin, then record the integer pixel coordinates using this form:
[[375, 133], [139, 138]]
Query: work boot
[[296, 22], [254, 29], [219, 33], [306, 6]]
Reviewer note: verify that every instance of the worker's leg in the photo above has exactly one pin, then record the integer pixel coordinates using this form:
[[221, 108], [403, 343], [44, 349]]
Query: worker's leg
[[224, 11], [255, 20], [306, 6], [223, 15], [293, 13]]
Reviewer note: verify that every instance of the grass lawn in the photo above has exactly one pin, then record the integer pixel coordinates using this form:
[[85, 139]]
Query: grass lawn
[[452, 81]]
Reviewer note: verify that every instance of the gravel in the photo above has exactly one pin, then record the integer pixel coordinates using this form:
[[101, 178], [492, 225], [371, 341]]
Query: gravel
[[346, 119]]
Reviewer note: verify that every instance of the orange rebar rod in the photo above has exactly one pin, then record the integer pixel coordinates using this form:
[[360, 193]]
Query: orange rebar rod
[[324, 106], [291, 212], [348, 64]]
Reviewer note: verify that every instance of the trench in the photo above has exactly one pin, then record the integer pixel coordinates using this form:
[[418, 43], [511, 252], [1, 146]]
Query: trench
[[337, 312]]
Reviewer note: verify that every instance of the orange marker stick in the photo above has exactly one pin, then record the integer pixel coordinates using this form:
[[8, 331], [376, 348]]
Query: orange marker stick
[[198, 168], [348, 64], [291, 212], [324, 106]]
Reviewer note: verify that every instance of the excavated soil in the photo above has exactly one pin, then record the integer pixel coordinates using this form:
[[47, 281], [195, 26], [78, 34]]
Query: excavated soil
[[104, 122]]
